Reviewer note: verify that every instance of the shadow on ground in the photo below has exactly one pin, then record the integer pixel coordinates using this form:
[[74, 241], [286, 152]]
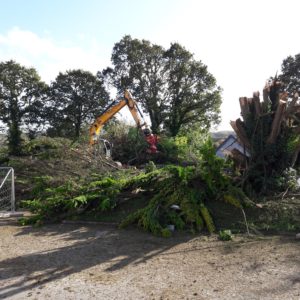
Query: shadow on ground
[[87, 246], [60, 250]]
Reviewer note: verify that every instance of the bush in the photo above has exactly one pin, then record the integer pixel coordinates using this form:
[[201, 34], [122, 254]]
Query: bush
[[45, 147], [127, 142], [225, 235]]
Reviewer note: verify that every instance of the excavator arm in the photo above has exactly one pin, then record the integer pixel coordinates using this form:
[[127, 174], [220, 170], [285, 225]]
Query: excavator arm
[[115, 107], [96, 127], [137, 115]]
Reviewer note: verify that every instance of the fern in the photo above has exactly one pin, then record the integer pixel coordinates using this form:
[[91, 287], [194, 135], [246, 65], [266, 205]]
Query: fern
[[188, 187], [207, 218]]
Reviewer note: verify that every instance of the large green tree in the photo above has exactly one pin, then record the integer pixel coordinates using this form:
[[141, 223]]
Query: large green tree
[[76, 98], [193, 96], [290, 76], [21, 101], [139, 67], [172, 87]]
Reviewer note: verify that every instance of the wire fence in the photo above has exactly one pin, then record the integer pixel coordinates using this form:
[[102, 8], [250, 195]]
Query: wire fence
[[7, 189]]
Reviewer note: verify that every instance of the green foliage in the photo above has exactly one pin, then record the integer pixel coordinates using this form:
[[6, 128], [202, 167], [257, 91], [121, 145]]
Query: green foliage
[[54, 203], [128, 144], [22, 94], [32, 220], [78, 201], [290, 73], [173, 88], [169, 148], [185, 147], [45, 147], [40, 185], [188, 188], [277, 215], [207, 218], [41, 143], [289, 180], [166, 233], [176, 219], [268, 161], [150, 167], [225, 235], [4, 157], [76, 97]]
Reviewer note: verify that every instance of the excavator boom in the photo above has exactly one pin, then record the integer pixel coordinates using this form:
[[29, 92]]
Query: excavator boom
[[115, 107], [96, 127]]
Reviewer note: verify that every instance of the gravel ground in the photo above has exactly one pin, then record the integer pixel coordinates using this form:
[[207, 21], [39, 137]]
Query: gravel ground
[[73, 261]]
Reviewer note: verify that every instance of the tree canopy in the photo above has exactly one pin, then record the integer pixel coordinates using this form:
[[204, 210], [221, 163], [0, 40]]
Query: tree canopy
[[76, 98], [173, 88], [291, 74], [21, 95]]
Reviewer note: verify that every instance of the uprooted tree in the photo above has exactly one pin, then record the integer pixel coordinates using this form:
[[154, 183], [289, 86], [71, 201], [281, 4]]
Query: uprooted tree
[[269, 132]]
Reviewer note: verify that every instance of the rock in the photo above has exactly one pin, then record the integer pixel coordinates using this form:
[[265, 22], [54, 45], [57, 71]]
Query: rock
[[298, 236]]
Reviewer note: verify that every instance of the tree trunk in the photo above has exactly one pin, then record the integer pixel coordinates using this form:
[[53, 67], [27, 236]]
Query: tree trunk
[[14, 138]]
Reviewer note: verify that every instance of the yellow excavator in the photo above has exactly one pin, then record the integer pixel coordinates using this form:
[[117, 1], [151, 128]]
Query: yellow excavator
[[137, 115]]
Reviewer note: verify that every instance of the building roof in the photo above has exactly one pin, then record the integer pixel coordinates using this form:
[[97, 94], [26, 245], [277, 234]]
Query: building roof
[[228, 145]]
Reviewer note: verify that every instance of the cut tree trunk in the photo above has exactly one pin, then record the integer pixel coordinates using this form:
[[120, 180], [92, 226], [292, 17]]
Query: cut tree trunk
[[240, 132], [276, 124]]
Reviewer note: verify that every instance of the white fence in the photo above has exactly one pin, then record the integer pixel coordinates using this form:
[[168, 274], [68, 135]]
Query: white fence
[[7, 189]]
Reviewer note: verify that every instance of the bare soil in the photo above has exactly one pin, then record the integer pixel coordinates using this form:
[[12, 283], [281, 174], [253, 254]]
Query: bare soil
[[73, 261]]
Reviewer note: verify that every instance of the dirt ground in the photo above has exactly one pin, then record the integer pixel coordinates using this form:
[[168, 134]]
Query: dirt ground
[[73, 261]]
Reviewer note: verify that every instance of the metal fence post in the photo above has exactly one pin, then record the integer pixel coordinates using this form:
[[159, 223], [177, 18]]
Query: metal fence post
[[13, 199], [7, 189]]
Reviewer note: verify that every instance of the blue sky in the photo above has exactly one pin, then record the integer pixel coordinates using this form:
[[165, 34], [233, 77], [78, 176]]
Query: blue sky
[[68, 20], [241, 42]]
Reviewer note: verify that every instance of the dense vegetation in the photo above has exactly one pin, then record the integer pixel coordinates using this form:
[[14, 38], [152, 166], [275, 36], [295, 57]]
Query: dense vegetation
[[188, 188], [185, 180], [174, 89]]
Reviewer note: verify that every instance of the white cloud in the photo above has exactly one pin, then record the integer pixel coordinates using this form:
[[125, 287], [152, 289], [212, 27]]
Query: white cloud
[[48, 56], [243, 43]]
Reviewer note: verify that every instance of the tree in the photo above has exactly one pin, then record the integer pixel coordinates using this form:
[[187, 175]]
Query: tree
[[139, 66], [76, 98], [193, 96], [172, 87], [291, 74], [21, 95]]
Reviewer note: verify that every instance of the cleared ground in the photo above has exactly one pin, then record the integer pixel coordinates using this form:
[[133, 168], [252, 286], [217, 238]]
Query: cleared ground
[[72, 261]]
